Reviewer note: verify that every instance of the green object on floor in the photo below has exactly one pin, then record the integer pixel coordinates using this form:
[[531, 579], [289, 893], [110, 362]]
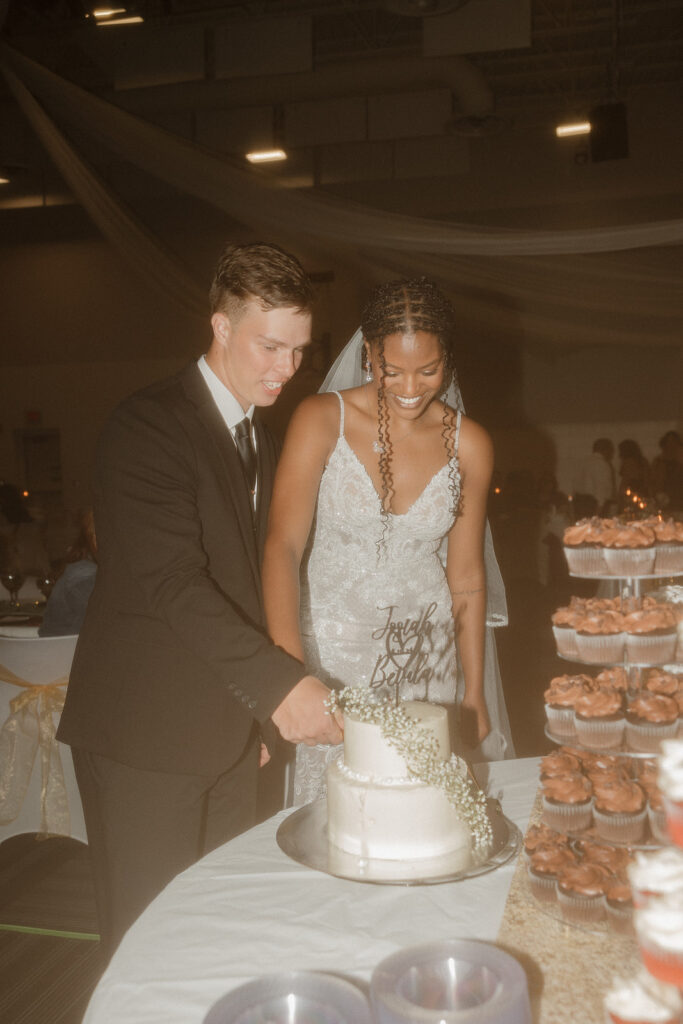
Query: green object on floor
[[27, 929]]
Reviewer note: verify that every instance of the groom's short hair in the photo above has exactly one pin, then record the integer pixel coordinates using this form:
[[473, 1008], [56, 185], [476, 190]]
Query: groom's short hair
[[261, 271]]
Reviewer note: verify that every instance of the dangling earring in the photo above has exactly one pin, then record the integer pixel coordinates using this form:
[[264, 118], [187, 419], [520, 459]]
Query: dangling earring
[[367, 372]]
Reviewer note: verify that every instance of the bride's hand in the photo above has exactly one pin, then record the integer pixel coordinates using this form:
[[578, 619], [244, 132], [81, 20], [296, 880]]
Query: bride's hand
[[303, 718], [474, 722]]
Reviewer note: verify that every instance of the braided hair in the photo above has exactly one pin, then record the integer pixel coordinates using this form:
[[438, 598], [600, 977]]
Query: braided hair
[[404, 307]]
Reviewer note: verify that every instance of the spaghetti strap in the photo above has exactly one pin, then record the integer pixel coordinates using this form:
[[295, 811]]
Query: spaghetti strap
[[457, 434], [341, 413]]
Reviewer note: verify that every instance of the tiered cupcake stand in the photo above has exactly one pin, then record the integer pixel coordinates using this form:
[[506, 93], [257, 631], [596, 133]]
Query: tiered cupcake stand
[[630, 586]]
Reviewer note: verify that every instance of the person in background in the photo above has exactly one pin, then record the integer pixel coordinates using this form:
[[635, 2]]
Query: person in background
[[667, 472], [634, 474], [66, 605], [596, 476], [554, 518]]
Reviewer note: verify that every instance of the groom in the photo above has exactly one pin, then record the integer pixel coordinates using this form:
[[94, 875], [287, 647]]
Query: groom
[[174, 678]]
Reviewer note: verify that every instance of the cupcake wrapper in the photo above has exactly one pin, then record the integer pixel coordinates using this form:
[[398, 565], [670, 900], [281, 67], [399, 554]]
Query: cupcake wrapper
[[669, 558], [542, 886], [576, 907], [561, 722], [588, 561], [630, 561], [565, 641], [647, 737], [598, 733], [620, 828], [658, 828], [651, 650], [600, 650], [620, 918], [567, 817]]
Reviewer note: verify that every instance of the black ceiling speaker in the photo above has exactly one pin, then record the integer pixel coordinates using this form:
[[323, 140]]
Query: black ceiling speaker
[[609, 132]]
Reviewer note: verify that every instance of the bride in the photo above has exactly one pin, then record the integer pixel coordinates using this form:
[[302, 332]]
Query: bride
[[378, 552]]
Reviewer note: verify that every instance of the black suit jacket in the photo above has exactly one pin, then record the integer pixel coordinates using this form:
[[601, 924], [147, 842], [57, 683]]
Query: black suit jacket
[[173, 665]]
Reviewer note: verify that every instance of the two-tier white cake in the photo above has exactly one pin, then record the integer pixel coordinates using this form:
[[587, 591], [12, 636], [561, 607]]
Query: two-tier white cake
[[395, 794]]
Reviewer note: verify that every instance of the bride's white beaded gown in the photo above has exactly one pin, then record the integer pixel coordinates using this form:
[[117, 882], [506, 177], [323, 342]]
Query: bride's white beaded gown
[[375, 602]]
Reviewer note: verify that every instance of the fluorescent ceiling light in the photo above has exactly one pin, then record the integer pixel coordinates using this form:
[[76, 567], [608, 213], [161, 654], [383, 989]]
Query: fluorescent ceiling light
[[575, 128], [3, 180], [134, 19], [264, 156], [107, 12]]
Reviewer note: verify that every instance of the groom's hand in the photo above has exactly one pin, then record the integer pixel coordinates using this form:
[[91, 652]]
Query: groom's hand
[[303, 718]]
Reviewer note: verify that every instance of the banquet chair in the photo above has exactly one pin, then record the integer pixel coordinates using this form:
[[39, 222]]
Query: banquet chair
[[38, 790]]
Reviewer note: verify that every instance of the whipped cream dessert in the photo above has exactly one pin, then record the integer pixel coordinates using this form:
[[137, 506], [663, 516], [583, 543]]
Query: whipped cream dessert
[[643, 999], [670, 775], [658, 873]]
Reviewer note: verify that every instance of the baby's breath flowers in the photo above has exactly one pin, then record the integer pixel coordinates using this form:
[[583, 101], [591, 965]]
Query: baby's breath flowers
[[419, 748]]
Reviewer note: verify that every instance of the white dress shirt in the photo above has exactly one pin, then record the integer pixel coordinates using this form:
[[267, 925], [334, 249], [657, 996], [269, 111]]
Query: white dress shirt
[[228, 406]]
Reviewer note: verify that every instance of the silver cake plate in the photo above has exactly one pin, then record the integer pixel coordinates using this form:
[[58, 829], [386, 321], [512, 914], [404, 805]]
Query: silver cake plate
[[303, 837]]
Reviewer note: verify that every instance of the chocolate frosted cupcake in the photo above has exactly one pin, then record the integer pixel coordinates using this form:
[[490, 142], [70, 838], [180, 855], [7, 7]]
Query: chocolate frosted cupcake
[[600, 637], [630, 550], [543, 868], [668, 545], [560, 698], [596, 765], [616, 678], [564, 632], [619, 905], [619, 811], [659, 681], [599, 719], [650, 718], [567, 803], [651, 636], [615, 858], [541, 836], [560, 762], [580, 892], [583, 548]]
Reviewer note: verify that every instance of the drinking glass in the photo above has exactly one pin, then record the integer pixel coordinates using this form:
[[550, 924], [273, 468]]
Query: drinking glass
[[12, 580], [45, 583]]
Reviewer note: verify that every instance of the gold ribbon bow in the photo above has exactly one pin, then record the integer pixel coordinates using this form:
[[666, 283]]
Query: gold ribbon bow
[[30, 726]]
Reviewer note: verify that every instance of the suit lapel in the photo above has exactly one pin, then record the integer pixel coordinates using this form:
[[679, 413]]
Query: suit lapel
[[222, 452]]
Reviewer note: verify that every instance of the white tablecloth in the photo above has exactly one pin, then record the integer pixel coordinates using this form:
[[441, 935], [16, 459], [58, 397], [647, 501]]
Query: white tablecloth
[[247, 909]]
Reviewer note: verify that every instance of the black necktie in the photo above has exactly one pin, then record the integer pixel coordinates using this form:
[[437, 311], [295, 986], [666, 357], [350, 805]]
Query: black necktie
[[246, 451]]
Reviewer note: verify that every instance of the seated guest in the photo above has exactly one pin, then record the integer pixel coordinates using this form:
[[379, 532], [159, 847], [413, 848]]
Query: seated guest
[[65, 609]]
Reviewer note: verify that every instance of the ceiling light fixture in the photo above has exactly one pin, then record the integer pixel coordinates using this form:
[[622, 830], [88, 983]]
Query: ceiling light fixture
[[265, 156], [3, 180], [133, 19], [107, 12], [574, 128]]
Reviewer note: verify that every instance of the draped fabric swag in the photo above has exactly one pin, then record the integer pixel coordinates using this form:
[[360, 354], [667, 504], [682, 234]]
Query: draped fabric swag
[[605, 285]]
